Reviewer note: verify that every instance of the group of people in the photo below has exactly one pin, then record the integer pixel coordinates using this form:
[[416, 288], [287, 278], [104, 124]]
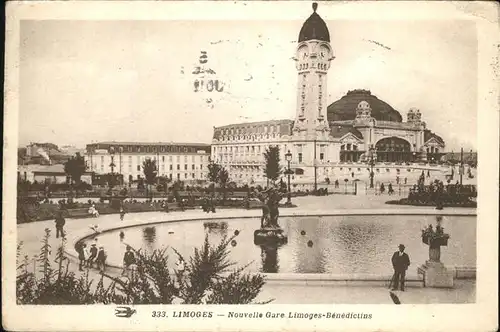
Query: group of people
[[390, 190], [208, 205], [89, 256]]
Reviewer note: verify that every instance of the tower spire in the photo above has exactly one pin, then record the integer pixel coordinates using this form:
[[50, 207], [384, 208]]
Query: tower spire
[[315, 6]]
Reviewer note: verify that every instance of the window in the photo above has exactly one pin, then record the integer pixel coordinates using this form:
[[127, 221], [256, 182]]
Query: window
[[201, 166], [300, 157], [178, 167], [192, 175], [185, 159], [138, 168], [178, 176], [185, 167], [185, 175], [163, 167], [170, 158], [321, 156], [170, 167], [192, 166], [102, 158], [163, 158]]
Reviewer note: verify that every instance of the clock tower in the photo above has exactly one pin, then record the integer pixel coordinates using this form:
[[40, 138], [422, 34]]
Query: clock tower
[[313, 57]]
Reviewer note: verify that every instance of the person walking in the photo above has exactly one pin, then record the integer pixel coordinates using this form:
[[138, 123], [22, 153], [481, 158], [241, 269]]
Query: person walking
[[122, 213], [128, 260], [93, 255], [400, 263], [60, 221], [390, 190]]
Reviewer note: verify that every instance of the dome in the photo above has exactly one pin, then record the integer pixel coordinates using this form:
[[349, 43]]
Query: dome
[[345, 107], [314, 28]]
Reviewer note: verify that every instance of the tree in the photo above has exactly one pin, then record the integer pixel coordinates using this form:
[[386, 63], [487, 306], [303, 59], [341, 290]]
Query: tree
[[273, 168], [150, 171], [213, 172], [74, 168], [223, 180]]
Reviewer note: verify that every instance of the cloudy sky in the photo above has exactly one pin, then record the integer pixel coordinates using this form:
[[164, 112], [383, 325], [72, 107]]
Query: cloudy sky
[[86, 81]]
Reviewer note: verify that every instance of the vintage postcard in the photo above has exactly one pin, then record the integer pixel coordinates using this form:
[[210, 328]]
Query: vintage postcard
[[254, 166]]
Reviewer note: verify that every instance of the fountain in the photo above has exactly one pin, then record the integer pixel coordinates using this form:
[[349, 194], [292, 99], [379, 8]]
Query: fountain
[[270, 232], [434, 272]]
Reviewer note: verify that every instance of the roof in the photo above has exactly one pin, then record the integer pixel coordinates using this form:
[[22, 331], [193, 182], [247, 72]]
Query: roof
[[429, 135], [149, 143], [339, 131], [36, 168], [285, 126], [257, 123], [345, 107], [314, 28]]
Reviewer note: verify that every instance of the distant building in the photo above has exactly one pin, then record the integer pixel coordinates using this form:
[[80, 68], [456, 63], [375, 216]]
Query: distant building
[[43, 154], [178, 161], [47, 174], [357, 128]]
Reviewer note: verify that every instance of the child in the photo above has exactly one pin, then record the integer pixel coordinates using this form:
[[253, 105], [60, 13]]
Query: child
[[81, 249], [93, 255]]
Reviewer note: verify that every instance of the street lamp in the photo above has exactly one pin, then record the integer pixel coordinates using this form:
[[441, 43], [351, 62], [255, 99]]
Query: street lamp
[[112, 153], [120, 150], [372, 163], [288, 157], [112, 165]]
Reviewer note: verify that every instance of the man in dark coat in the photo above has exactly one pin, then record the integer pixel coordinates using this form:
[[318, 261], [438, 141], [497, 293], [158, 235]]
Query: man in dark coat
[[400, 263], [81, 255], [60, 221]]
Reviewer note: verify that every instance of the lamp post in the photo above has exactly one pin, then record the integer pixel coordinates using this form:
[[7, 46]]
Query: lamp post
[[120, 150], [372, 163], [112, 165], [288, 157]]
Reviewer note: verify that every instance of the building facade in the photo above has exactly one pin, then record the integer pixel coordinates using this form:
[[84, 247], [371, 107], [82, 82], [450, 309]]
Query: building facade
[[358, 128], [179, 161]]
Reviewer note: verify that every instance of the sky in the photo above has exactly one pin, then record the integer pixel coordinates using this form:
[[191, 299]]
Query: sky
[[86, 81]]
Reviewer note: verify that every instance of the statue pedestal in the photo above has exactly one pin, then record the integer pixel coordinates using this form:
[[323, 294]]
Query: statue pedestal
[[269, 235], [436, 275]]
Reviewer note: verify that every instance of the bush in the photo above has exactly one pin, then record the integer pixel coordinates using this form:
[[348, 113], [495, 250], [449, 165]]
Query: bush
[[208, 279]]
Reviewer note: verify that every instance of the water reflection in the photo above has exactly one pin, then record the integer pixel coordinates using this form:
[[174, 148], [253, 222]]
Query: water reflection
[[340, 245], [309, 248], [269, 256], [149, 235]]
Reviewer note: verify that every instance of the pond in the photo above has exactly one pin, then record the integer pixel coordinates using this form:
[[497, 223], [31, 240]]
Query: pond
[[346, 245]]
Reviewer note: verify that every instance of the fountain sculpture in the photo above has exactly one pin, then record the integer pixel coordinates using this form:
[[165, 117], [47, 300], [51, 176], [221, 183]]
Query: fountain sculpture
[[270, 232], [434, 272]]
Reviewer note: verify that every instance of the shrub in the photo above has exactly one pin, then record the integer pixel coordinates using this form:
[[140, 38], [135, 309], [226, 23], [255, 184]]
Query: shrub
[[207, 279]]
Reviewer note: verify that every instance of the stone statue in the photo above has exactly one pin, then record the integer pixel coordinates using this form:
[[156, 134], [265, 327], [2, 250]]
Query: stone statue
[[270, 209]]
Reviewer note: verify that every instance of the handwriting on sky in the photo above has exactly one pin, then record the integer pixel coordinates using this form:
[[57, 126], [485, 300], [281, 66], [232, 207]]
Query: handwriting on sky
[[206, 77]]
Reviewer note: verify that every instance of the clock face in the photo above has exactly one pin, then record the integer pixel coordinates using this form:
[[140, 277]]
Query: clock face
[[303, 53], [323, 52]]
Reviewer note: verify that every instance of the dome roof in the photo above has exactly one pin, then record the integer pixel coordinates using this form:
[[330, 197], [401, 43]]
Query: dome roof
[[345, 107], [314, 28]]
